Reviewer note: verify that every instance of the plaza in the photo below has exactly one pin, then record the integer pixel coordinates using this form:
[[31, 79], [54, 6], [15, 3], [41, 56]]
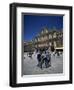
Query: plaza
[[29, 66]]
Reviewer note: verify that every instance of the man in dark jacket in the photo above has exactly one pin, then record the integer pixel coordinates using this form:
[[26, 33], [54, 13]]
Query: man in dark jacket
[[48, 56], [39, 59]]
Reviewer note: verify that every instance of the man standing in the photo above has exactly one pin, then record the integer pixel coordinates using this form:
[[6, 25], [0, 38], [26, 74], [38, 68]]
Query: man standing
[[38, 58], [48, 56], [44, 59]]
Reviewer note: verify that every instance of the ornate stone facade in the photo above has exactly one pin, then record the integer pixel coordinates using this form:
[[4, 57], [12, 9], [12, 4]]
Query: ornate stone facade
[[46, 38]]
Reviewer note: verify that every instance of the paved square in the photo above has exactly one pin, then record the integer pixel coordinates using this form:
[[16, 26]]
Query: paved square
[[29, 66]]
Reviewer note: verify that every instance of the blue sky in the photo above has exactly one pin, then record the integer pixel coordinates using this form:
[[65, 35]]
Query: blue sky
[[33, 24]]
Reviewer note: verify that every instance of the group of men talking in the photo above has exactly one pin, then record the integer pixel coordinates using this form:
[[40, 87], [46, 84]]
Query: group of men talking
[[44, 58]]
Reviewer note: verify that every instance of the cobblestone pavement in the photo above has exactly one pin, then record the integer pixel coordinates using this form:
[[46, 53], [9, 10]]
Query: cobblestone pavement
[[30, 66]]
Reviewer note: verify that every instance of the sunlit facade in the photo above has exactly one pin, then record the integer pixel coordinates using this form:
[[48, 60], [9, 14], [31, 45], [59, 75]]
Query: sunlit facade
[[47, 38]]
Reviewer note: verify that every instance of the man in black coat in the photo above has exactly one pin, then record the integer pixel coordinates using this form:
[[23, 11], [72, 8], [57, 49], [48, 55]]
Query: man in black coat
[[39, 59]]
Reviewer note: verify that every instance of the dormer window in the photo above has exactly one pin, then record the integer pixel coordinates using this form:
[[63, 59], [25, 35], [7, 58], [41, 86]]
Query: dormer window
[[46, 31], [50, 36], [42, 32], [54, 35]]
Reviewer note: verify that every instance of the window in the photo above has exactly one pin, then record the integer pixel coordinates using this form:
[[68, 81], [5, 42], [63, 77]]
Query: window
[[50, 36], [54, 35]]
